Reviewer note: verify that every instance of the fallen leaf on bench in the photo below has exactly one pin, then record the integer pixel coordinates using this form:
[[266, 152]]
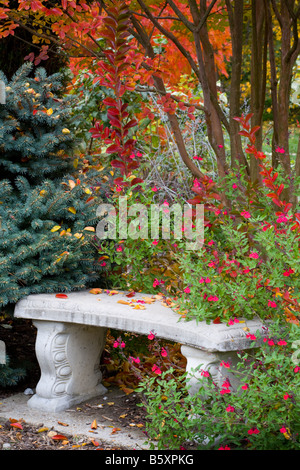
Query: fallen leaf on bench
[[96, 290], [131, 294], [148, 300], [62, 424], [139, 307], [124, 302], [123, 416], [112, 292], [61, 296], [95, 443]]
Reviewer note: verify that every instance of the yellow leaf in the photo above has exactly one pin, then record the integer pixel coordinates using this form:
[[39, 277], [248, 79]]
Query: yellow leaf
[[96, 290], [110, 403], [139, 307], [65, 131], [87, 191], [123, 302], [43, 429], [246, 328], [113, 292], [90, 229], [72, 209], [77, 235], [75, 163], [55, 228], [72, 184], [49, 111], [42, 192], [123, 416], [148, 300]]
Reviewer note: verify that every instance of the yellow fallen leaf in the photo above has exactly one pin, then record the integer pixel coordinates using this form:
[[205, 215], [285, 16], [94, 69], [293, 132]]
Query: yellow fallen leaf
[[140, 425], [111, 403], [49, 111], [55, 228], [115, 430], [123, 302], [62, 424], [72, 184], [90, 229], [72, 209], [148, 300], [123, 415], [43, 429], [78, 235], [65, 131], [113, 292], [139, 307], [96, 290]]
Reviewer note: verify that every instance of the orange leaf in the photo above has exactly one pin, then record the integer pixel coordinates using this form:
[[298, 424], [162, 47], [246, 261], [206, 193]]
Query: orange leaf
[[123, 302], [96, 290], [115, 430], [95, 443], [94, 424]]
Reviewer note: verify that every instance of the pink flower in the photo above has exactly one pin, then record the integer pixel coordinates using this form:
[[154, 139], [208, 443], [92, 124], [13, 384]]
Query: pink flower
[[246, 214], [135, 359], [286, 396], [155, 242], [253, 337], [103, 263], [282, 219], [155, 283], [232, 321], [283, 430], [116, 344], [204, 373], [272, 304], [151, 335], [230, 409], [164, 352], [220, 146], [154, 189], [224, 391], [297, 369], [280, 150], [288, 272], [253, 431], [119, 248], [225, 364], [122, 345], [187, 290], [213, 298], [156, 369], [139, 154], [254, 255], [246, 270], [234, 186], [281, 342], [224, 448], [211, 243], [245, 387]]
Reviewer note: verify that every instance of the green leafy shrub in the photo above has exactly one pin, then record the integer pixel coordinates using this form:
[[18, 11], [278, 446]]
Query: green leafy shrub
[[262, 415]]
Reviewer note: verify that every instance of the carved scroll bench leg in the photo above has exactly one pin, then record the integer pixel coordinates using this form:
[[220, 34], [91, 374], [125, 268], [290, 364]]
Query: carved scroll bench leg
[[210, 362], [69, 359]]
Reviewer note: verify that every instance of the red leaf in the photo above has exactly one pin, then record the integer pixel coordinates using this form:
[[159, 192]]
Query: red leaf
[[59, 437], [61, 296], [17, 425], [217, 320]]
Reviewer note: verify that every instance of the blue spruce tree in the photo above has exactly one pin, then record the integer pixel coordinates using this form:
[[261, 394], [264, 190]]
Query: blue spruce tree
[[45, 213]]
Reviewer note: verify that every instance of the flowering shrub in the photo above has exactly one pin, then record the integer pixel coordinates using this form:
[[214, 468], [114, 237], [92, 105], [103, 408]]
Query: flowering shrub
[[262, 415], [249, 262]]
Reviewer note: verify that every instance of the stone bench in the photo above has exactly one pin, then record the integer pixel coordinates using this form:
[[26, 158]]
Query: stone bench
[[71, 336]]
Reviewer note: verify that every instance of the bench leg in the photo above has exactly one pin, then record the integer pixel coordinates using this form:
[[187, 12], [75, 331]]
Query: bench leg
[[69, 359], [210, 362]]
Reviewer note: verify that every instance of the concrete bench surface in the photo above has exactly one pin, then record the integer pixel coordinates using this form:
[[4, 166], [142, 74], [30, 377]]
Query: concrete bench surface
[[71, 338]]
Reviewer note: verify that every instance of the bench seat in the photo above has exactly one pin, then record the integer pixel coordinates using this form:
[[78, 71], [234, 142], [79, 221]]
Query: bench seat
[[71, 334]]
